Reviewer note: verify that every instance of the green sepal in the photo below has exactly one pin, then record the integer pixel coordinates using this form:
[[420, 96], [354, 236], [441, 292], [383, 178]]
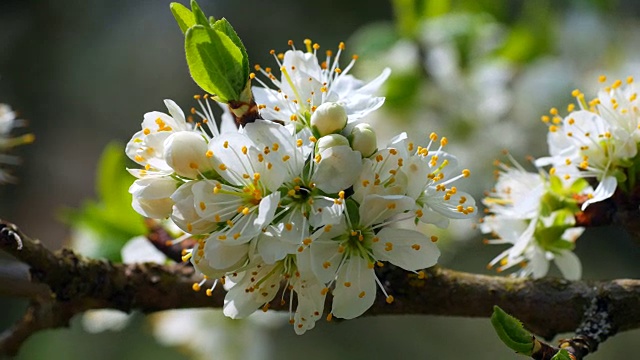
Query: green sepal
[[199, 16], [184, 17], [215, 62], [579, 185], [353, 211], [562, 355], [511, 332]]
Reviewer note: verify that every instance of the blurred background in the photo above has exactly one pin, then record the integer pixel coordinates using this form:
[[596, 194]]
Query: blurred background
[[480, 72]]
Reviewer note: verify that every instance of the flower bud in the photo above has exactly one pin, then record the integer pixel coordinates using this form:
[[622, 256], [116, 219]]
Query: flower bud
[[363, 139], [329, 118], [331, 140], [184, 213], [152, 196], [185, 152]]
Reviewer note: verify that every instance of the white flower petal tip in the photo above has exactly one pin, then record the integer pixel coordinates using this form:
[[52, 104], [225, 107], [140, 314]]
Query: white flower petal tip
[[605, 189]]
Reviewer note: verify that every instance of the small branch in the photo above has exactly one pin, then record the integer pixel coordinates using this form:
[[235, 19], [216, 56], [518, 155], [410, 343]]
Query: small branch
[[595, 328], [547, 306]]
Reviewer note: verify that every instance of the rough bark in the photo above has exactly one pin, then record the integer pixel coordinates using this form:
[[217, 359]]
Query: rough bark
[[546, 306]]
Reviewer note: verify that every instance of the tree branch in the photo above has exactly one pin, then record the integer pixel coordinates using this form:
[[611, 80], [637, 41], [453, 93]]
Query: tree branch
[[547, 306]]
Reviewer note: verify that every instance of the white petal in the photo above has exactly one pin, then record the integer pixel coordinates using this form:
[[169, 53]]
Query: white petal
[[338, 169], [325, 259], [184, 213], [140, 249], [310, 304], [223, 256], [271, 248], [267, 210], [152, 196], [185, 152], [408, 249], [355, 289], [605, 190], [376, 208], [176, 113], [569, 265]]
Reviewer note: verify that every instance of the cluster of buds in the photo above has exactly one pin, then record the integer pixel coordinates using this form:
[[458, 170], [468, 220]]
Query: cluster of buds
[[596, 143], [302, 199]]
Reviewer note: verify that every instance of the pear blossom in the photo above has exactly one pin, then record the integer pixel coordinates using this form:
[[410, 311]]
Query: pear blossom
[[301, 196], [344, 254], [422, 173], [599, 138], [307, 82], [528, 252], [534, 213]]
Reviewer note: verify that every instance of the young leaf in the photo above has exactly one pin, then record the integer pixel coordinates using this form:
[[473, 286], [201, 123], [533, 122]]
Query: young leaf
[[224, 26], [199, 16], [511, 332], [184, 16], [562, 355], [215, 62]]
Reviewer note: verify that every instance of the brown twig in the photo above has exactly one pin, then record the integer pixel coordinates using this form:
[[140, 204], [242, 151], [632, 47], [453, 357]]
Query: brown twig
[[547, 306]]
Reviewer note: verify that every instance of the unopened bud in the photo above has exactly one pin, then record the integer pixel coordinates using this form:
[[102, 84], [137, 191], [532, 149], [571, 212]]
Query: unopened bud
[[331, 140], [185, 152], [363, 139], [329, 118]]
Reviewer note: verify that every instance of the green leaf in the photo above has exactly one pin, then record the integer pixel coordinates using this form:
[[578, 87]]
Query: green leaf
[[225, 27], [184, 16], [561, 355], [199, 16], [215, 62], [511, 332]]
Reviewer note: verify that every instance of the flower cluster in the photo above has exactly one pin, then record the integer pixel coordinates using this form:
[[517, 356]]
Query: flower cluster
[[597, 142], [302, 197], [8, 122]]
